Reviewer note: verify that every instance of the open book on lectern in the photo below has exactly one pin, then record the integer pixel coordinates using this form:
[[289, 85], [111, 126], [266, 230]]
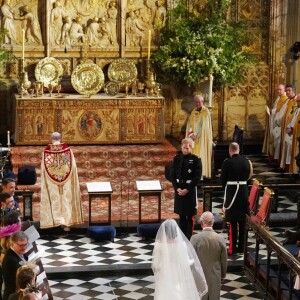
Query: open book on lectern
[[99, 187], [148, 185]]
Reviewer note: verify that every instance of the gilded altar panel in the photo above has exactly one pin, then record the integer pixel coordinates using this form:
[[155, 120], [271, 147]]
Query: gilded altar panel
[[97, 120], [90, 125]]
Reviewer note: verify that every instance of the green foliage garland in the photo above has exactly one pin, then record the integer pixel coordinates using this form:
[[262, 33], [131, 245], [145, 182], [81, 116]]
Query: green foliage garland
[[191, 47], [5, 54]]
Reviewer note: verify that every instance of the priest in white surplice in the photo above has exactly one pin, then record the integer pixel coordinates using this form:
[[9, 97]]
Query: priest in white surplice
[[199, 129], [60, 191]]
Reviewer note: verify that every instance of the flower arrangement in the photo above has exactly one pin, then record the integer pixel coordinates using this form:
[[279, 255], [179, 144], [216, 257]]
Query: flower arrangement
[[191, 47]]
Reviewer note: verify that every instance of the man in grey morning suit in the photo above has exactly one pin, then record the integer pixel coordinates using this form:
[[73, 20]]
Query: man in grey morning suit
[[211, 250]]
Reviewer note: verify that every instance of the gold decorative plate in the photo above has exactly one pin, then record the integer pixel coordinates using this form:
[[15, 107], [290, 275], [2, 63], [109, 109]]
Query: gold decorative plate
[[49, 70], [122, 70], [112, 88], [87, 78]]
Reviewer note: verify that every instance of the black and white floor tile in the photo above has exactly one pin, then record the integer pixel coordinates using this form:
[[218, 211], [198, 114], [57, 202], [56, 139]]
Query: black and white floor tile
[[235, 286], [78, 252], [71, 251]]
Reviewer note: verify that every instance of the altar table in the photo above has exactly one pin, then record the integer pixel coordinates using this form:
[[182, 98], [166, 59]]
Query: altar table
[[100, 119]]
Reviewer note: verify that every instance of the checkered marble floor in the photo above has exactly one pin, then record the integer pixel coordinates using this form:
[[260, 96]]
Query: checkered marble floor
[[235, 286], [71, 251], [77, 252]]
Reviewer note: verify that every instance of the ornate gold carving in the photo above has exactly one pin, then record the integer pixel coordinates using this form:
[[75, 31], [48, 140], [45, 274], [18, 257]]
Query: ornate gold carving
[[66, 64], [245, 104], [90, 120], [248, 10], [141, 123]]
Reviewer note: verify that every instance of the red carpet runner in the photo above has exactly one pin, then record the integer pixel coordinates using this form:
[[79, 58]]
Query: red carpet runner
[[121, 165]]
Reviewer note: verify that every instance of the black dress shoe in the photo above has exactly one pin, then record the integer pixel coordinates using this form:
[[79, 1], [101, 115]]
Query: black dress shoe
[[233, 253]]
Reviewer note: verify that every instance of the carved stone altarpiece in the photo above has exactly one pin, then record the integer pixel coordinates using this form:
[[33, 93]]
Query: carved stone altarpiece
[[120, 28]]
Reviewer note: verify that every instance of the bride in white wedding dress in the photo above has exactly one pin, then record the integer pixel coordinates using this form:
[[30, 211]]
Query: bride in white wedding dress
[[177, 269]]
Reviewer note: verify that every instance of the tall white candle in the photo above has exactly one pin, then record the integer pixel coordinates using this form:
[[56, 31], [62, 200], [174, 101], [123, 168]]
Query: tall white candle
[[23, 43], [8, 138], [149, 43], [211, 79]]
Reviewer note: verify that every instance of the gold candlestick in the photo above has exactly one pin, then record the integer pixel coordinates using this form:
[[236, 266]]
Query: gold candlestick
[[150, 82], [24, 83], [150, 77]]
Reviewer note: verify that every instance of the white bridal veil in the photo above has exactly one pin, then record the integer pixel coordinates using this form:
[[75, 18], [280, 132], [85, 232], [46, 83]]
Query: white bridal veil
[[177, 269]]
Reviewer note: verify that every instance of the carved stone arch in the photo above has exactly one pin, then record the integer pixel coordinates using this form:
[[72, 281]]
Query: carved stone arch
[[245, 103]]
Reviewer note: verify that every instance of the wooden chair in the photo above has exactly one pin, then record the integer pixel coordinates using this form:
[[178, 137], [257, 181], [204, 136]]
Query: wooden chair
[[254, 196], [262, 216]]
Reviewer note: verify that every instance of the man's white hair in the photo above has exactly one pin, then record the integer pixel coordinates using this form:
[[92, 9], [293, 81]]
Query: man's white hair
[[55, 136], [207, 218]]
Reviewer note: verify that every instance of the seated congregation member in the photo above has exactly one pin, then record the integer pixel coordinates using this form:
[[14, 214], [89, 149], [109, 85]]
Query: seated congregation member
[[60, 190], [12, 260], [7, 204], [30, 296], [26, 283], [9, 186], [211, 250], [10, 223], [177, 271]]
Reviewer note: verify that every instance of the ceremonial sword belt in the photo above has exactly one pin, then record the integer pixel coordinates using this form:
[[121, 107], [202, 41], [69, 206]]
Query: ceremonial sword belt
[[237, 183], [183, 182]]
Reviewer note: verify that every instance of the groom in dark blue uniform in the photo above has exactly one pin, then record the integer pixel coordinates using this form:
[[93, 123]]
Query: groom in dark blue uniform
[[186, 174]]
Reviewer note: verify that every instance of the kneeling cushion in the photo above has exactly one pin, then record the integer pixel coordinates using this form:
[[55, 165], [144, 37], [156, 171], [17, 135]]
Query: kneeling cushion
[[148, 231], [99, 233]]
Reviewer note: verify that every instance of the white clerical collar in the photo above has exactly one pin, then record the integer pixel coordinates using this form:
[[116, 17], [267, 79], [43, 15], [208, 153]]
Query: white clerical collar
[[208, 228]]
